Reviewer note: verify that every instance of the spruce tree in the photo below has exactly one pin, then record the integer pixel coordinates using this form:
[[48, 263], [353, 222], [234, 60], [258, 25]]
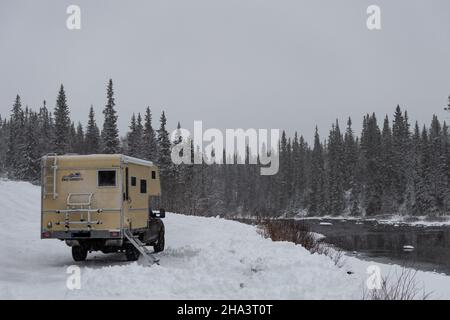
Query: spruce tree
[[350, 156], [62, 136], [46, 130], [297, 173], [73, 138], [14, 156], [387, 169], [79, 143], [336, 171], [92, 139], [139, 137], [131, 137], [165, 161], [371, 150], [303, 170], [135, 138], [425, 203], [400, 145], [31, 165], [149, 139], [179, 184], [4, 141], [283, 174], [437, 185], [445, 167], [317, 197], [110, 132]]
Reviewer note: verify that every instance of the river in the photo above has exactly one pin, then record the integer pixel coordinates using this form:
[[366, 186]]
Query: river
[[420, 247]]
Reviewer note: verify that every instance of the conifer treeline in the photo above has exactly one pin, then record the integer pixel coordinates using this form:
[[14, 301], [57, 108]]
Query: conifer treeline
[[390, 170]]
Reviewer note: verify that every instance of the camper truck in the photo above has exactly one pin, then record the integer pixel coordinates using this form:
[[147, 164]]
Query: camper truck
[[102, 202]]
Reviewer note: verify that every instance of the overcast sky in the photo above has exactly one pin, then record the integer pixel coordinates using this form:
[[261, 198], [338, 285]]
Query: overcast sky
[[286, 64]]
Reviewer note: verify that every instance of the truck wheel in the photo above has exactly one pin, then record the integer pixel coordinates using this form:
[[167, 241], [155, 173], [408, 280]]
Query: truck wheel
[[79, 253], [131, 252], [159, 246]]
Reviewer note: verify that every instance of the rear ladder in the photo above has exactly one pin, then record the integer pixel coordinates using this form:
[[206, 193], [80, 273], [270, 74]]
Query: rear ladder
[[80, 203], [49, 172]]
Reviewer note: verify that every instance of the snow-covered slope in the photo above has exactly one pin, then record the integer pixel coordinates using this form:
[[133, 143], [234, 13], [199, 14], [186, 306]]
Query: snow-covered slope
[[204, 258]]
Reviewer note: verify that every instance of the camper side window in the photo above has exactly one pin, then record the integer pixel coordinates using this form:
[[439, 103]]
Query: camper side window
[[106, 178], [143, 186]]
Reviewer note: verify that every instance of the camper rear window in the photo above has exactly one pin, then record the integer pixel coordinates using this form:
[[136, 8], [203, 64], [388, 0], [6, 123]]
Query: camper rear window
[[107, 178]]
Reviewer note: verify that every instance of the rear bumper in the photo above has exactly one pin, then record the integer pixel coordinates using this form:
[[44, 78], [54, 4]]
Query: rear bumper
[[81, 234]]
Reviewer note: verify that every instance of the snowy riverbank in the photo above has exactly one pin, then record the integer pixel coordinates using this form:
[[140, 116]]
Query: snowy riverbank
[[204, 258]]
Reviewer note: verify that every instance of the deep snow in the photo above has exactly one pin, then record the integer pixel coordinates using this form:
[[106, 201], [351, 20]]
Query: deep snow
[[205, 258]]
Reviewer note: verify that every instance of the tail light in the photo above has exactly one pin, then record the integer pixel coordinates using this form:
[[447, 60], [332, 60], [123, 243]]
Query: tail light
[[46, 234]]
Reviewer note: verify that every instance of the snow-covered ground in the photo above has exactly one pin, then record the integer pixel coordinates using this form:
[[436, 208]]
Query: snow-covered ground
[[205, 258]]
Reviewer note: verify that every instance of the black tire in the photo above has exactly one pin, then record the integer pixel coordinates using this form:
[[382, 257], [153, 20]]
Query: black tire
[[79, 253], [131, 252], [159, 246]]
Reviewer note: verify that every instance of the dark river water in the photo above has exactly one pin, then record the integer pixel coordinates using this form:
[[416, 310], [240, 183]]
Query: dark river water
[[424, 248]]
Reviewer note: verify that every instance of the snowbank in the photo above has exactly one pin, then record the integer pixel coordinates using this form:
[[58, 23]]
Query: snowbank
[[204, 258]]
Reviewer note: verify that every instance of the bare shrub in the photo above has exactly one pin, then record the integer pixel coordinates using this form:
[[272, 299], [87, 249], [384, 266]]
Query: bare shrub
[[282, 230], [401, 287], [299, 233], [337, 255]]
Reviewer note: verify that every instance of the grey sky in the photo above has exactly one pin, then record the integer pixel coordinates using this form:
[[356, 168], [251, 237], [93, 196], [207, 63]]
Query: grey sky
[[286, 64]]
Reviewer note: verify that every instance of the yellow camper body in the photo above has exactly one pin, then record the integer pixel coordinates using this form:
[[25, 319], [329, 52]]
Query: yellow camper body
[[101, 202]]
